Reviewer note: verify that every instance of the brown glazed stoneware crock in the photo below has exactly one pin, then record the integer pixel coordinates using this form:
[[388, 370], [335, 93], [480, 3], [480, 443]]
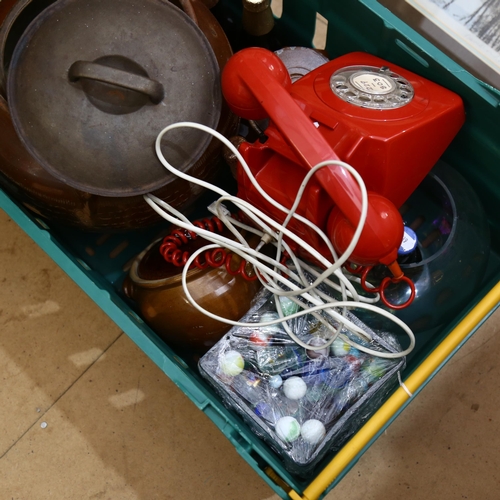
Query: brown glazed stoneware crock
[[25, 179], [156, 288]]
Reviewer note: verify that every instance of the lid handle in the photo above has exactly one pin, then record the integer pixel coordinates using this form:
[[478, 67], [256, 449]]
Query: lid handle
[[95, 71]]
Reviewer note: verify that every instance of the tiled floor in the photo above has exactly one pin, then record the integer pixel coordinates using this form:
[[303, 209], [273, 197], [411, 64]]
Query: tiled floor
[[86, 415]]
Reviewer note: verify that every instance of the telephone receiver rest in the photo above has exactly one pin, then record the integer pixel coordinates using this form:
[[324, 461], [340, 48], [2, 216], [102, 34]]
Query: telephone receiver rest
[[255, 84]]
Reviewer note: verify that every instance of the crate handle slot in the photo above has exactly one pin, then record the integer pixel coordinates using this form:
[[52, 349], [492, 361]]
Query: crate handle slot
[[320, 32], [278, 480], [412, 53], [277, 8], [191, 390], [239, 441]]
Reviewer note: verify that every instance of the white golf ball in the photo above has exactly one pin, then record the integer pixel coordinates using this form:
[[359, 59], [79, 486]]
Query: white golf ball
[[312, 431], [232, 363], [340, 348], [294, 388], [287, 429]]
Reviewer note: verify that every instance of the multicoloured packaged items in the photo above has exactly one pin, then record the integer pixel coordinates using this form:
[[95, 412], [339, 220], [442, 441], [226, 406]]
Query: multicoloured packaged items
[[302, 402]]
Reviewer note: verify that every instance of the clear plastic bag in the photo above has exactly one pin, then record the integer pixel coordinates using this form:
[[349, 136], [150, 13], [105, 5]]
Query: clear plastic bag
[[304, 403]]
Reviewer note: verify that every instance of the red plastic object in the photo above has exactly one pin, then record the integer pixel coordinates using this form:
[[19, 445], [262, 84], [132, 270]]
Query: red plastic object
[[386, 282], [171, 250], [392, 149]]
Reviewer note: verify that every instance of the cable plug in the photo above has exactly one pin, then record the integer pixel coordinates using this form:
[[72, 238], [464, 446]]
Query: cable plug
[[267, 238], [212, 208], [264, 240]]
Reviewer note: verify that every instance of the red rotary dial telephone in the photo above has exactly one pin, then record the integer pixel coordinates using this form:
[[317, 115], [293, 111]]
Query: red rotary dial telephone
[[388, 123]]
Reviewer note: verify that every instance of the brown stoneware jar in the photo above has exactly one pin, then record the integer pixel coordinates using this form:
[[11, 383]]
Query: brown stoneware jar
[[53, 189], [156, 287]]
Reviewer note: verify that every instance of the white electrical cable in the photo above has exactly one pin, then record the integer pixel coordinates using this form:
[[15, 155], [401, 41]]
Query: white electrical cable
[[247, 253], [237, 201], [221, 192], [348, 324], [269, 270]]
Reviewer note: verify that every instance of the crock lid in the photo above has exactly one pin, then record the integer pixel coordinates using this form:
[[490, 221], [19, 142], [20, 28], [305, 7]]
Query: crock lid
[[92, 83]]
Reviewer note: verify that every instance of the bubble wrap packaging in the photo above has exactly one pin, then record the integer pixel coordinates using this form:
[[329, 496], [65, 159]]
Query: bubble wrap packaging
[[303, 403]]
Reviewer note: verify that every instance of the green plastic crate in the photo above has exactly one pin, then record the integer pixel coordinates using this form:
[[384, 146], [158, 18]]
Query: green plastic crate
[[357, 25]]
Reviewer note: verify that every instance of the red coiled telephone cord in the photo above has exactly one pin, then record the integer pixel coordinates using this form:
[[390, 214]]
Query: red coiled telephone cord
[[172, 252]]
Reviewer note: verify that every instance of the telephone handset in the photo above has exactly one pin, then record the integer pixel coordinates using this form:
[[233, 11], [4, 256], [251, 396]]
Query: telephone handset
[[388, 123]]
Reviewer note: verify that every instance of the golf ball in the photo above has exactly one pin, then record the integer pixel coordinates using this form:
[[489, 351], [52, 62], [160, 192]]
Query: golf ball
[[232, 363], [339, 347], [287, 429], [312, 431], [294, 388]]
